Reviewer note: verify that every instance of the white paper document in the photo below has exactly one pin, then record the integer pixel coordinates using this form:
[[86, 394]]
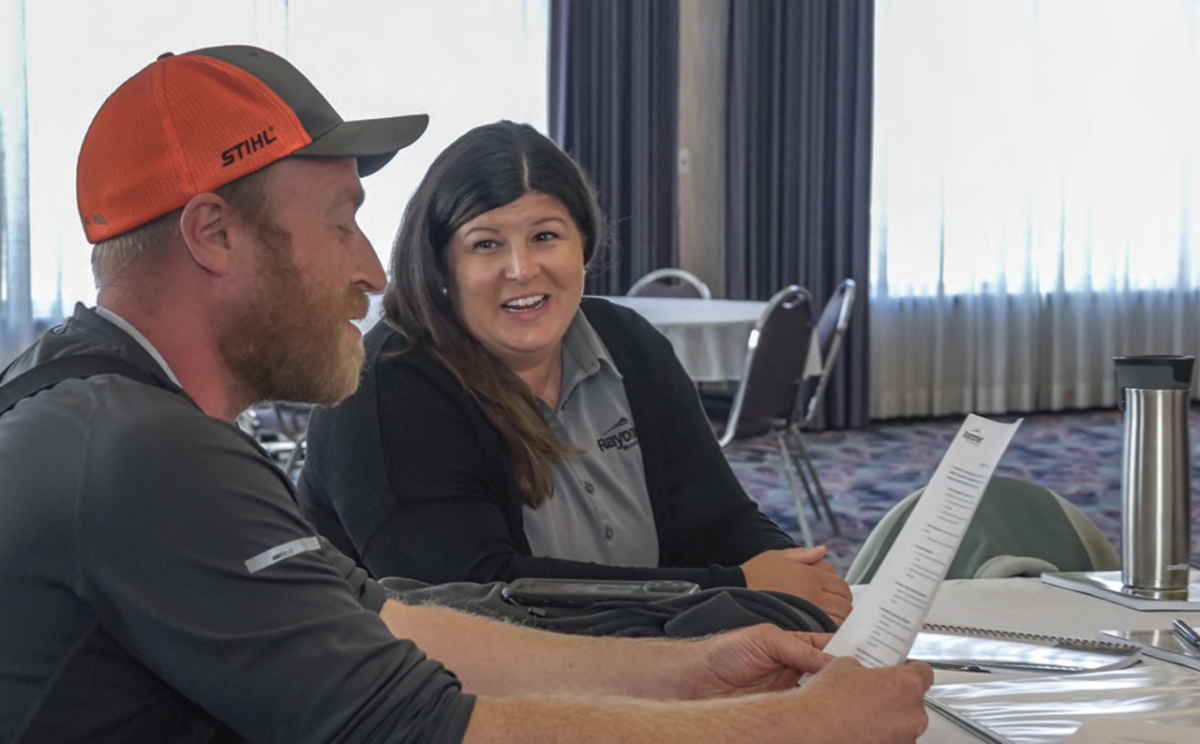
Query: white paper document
[[1113, 731], [886, 620]]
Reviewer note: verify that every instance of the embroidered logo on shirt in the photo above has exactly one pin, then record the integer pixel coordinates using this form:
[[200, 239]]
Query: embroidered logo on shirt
[[620, 436]]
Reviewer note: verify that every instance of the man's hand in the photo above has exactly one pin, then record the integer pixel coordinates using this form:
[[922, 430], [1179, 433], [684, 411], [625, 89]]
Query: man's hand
[[802, 572], [844, 703], [761, 658], [848, 702]]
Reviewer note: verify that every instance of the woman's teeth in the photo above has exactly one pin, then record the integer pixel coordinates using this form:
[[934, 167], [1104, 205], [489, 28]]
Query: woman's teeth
[[525, 304]]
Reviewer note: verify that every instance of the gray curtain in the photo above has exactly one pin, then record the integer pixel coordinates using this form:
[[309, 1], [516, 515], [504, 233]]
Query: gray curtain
[[799, 189], [614, 90]]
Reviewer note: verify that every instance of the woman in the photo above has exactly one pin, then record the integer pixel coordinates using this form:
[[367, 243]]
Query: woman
[[508, 427]]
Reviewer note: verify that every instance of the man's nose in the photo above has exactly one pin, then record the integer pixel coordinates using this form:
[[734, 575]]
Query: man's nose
[[369, 275]]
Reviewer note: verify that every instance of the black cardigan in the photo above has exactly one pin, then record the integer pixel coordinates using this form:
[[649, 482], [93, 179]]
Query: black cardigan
[[410, 477]]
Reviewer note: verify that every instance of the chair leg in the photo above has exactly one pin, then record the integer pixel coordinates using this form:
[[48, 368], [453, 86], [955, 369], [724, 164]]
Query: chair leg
[[291, 467], [812, 469], [789, 467], [812, 496]]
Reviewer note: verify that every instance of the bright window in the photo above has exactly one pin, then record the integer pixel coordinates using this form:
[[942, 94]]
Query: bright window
[[464, 62], [1020, 144]]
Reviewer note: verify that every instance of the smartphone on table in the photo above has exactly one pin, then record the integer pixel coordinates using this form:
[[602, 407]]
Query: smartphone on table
[[581, 593]]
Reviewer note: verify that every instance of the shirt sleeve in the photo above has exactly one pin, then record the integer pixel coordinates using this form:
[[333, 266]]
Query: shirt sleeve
[[195, 558]]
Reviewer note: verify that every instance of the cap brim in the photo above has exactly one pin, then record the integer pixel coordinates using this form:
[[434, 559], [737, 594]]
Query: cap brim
[[373, 141]]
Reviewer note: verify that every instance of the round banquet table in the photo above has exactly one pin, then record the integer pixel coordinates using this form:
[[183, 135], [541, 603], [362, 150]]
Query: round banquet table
[[710, 336]]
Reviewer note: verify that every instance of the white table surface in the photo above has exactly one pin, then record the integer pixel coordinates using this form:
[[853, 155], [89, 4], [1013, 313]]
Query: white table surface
[[1030, 606], [710, 336]]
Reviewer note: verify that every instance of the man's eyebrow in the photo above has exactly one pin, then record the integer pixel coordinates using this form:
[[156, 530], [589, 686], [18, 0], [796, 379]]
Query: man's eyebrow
[[352, 196]]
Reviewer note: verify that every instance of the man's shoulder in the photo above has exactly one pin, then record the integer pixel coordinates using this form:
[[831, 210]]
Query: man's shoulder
[[117, 414], [85, 334], [89, 445]]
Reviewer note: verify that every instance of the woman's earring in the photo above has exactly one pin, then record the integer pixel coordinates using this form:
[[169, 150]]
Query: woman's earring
[[445, 292]]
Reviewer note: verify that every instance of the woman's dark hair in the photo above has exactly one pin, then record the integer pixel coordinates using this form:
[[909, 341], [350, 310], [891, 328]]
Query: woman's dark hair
[[485, 169]]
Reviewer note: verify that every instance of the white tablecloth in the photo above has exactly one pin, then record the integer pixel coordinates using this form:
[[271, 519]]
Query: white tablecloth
[[1026, 605], [709, 336]]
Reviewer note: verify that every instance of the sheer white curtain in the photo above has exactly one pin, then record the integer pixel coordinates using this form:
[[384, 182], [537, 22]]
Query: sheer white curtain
[[1035, 208], [465, 63]]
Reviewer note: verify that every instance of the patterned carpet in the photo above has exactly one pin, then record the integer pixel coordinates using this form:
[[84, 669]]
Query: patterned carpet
[[865, 472]]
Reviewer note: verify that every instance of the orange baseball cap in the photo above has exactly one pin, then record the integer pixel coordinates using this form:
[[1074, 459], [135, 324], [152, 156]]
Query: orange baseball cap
[[193, 122]]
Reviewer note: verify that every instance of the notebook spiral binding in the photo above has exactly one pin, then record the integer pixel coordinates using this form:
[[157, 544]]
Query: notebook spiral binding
[[1014, 635]]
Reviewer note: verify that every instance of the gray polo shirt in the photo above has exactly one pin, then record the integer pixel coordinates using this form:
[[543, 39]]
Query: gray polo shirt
[[600, 511]]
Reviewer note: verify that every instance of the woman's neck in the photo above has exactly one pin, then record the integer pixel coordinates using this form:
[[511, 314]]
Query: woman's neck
[[544, 378]]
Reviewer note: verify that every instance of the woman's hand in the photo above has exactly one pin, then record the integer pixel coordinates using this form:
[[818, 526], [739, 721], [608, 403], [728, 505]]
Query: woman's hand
[[802, 572]]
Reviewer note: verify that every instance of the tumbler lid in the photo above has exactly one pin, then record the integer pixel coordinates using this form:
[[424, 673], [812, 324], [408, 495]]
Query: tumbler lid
[[1152, 372]]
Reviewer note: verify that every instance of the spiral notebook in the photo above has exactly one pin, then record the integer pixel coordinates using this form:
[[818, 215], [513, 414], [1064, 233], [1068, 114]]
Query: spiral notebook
[[973, 649]]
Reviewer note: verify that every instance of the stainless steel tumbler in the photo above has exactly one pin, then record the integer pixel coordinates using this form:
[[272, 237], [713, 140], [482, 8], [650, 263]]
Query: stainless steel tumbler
[[1156, 470]]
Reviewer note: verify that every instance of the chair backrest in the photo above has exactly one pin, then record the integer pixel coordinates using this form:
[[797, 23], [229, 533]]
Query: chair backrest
[[1019, 529], [778, 350], [287, 419], [670, 283], [830, 330], [282, 429]]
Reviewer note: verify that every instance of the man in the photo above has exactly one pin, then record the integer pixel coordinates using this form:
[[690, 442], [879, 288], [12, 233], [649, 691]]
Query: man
[[157, 582]]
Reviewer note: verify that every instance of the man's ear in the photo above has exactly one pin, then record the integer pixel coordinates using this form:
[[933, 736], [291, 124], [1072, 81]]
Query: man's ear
[[206, 224]]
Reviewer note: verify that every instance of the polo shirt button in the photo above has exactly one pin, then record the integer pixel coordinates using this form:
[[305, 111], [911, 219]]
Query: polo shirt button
[[608, 532], [589, 487]]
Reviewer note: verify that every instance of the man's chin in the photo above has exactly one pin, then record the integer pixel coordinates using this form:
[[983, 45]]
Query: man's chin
[[350, 374]]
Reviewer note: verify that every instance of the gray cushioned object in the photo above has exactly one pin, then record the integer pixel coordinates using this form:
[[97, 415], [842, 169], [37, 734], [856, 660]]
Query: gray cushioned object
[[1019, 529]]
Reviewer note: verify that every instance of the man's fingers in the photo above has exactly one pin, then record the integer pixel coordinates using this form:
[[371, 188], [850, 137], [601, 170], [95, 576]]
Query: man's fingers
[[816, 640], [799, 650], [923, 671]]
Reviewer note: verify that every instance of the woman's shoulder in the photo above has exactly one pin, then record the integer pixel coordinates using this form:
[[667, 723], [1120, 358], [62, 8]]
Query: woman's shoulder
[[621, 328], [609, 317], [396, 370], [387, 349], [383, 341]]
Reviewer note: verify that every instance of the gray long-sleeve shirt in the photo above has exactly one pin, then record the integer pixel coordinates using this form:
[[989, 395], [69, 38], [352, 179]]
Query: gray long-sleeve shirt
[[158, 583]]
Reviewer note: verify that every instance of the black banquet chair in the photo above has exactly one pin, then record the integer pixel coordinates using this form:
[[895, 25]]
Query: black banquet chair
[[765, 401], [280, 428], [830, 330], [670, 283]]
